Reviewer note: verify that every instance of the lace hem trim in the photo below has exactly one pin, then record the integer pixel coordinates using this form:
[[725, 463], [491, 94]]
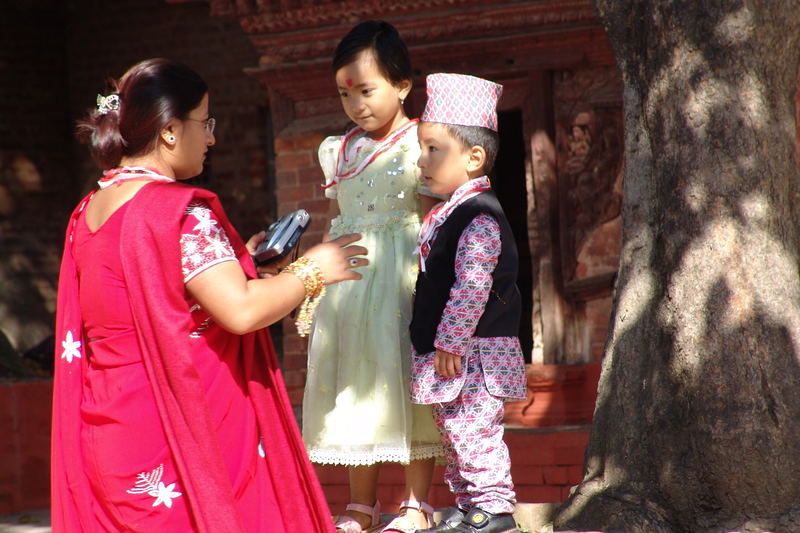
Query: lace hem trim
[[368, 457]]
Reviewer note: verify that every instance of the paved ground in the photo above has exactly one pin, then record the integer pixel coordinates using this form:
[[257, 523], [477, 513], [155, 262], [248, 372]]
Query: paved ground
[[27, 522], [533, 517]]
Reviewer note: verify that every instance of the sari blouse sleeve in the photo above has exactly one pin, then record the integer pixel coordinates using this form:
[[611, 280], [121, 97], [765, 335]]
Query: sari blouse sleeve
[[204, 242]]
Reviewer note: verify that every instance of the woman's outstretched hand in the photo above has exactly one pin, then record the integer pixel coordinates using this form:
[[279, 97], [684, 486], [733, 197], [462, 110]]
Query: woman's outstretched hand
[[273, 268], [241, 305], [336, 258], [253, 242]]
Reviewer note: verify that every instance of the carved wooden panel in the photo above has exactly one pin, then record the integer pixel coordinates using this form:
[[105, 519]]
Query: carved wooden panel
[[467, 16], [589, 140]]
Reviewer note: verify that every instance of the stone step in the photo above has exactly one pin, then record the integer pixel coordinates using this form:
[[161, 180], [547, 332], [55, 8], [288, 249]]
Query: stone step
[[535, 517], [530, 517], [35, 521]]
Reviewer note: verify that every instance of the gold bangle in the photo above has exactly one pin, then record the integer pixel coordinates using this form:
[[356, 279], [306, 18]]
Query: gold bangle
[[307, 270]]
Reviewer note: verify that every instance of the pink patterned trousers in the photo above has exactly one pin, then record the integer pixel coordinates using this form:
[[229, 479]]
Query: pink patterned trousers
[[478, 468]]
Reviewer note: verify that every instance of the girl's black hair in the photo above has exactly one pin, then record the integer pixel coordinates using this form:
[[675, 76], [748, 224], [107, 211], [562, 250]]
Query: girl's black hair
[[391, 53], [151, 94]]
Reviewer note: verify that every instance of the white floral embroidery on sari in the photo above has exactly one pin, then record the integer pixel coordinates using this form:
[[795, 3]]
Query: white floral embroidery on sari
[[152, 485], [71, 347], [205, 244]]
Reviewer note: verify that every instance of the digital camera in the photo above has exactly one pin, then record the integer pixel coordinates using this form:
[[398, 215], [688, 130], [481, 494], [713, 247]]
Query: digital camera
[[282, 237]]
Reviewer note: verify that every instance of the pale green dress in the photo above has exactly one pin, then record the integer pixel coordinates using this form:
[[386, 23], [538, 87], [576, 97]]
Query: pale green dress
[[356, 408]]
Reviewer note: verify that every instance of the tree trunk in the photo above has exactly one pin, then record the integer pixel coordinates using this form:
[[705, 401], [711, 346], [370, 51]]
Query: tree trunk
[[697, 422]]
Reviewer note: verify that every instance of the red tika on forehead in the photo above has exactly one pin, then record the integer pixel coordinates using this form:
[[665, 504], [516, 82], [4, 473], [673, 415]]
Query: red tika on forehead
[[349, 82]]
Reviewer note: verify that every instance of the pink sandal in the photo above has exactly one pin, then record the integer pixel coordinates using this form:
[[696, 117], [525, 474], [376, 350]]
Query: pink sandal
[[348, 524], [395, 527]]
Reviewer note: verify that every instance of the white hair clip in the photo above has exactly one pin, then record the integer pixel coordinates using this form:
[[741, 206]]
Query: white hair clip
[[107, 103]]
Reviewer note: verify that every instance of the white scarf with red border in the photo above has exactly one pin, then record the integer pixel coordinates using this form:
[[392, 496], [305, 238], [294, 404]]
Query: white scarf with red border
[[436, 216]]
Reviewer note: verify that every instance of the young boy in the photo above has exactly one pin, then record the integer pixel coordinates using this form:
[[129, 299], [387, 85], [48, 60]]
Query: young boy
[[467, 359]]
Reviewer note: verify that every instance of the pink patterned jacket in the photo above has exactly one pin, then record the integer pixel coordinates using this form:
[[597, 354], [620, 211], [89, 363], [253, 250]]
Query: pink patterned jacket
[[498, 358]]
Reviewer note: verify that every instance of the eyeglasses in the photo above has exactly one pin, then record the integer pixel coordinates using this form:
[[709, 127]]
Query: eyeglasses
[[209, 124]]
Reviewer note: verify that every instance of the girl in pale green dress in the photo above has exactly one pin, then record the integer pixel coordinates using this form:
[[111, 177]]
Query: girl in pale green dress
[[356, 408]]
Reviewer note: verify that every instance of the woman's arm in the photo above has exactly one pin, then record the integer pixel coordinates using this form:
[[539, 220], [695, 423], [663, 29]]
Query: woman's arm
[[241, 305]]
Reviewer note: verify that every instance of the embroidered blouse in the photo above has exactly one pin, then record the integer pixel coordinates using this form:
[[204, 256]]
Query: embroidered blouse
[[204, 242]]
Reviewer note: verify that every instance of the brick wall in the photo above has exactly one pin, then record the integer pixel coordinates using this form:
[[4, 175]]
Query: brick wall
[[558, 395], [298, 178], [545, 465], [25, 445], [54, 59]]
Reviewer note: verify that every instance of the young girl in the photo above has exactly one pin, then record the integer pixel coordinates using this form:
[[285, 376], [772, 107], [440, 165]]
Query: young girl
[[356, 409]]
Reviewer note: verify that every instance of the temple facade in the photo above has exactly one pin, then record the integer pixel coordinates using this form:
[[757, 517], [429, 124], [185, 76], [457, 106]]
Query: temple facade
[[267, 62], [558, 174]]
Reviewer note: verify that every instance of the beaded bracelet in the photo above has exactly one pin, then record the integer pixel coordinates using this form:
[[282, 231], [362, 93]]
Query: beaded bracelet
[[309, 273]]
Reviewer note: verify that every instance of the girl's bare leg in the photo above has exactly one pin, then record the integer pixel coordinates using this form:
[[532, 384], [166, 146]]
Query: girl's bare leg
[[363, 490], [419, 475]]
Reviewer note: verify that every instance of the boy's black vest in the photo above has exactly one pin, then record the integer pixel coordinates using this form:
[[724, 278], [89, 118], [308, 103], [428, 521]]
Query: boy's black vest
[[502, 312]]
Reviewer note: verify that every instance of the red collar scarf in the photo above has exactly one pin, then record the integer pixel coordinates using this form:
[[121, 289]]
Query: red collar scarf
[[150, 237], [436, 216], [343, 173]]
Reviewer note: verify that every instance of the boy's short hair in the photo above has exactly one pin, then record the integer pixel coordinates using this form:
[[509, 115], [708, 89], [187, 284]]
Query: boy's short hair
[[470, 136]]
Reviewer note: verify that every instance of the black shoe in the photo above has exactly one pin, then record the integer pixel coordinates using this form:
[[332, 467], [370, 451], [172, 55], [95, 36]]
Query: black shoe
[[451, 517], [479, 521]]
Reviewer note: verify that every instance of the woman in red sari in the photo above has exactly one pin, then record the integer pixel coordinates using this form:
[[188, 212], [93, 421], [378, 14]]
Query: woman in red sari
[[169, 411]]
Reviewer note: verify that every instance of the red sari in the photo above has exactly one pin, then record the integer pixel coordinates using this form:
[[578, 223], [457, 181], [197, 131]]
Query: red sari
[[162, 420]]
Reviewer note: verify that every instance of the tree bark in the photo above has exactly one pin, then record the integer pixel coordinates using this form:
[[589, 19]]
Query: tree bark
[[697, 422]]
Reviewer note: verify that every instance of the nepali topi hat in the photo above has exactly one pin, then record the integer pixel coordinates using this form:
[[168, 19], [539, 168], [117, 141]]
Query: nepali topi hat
[[461, 100]]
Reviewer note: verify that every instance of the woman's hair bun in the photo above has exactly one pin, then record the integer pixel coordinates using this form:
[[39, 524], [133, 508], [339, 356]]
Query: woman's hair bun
[[129, 116], [100, 130]]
